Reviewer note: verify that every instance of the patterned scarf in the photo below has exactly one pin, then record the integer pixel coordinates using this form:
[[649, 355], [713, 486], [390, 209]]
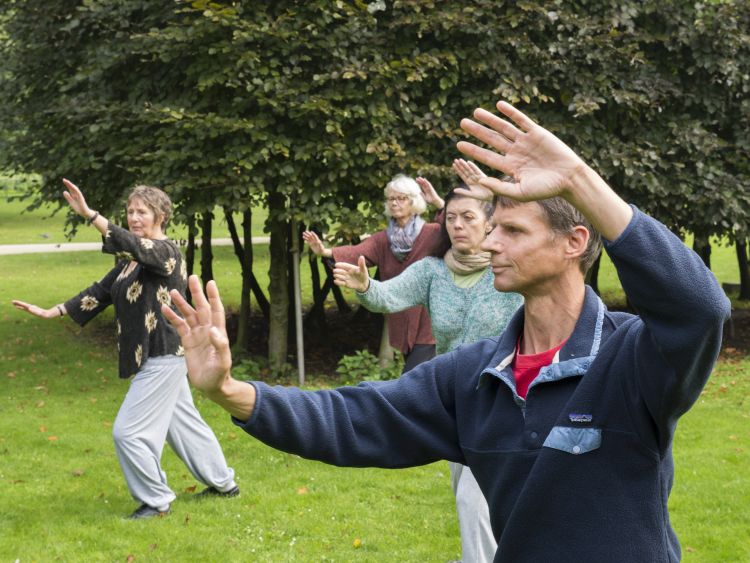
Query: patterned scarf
[[403, 239], [463, 264]]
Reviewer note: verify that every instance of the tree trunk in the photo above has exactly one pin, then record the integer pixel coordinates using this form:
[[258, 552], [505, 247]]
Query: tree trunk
[[207, 254], [592, 276], [317, 314], [338, 296], [742, 262], [247, 236], [702, 247], [385, 351], [244, 255], [190, 252], [278, 329]]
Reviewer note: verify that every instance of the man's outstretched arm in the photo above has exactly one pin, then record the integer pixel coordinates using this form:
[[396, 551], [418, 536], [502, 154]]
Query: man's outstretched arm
[[398, 423], [209, 360]]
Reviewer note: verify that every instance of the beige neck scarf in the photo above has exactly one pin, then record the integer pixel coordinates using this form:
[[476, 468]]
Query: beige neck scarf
[[463, 264]]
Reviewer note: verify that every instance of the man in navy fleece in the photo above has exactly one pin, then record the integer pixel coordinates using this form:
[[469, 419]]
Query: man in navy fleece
[[567, 418]]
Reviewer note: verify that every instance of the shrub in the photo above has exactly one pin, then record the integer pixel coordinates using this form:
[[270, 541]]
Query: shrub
[[364, 366]]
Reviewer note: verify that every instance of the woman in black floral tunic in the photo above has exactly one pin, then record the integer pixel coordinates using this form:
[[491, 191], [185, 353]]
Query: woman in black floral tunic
[[158, 405]]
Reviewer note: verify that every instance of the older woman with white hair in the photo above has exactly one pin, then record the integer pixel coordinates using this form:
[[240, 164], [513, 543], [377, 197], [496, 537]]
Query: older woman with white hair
[[406, 239]]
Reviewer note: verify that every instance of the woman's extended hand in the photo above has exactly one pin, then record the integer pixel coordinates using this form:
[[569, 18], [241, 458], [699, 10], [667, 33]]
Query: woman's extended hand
[[428, 193], [351, 276], [36, 311], [472, 176], [315, 244], [75, 199]]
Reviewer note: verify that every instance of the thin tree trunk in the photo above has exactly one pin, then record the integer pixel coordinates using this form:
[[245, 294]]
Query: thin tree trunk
[[278, 329], [243, 333], [317, 314], [341, 303], [260, 297], [207, 254], [702, 247], [742, 262], [190, 252], [385, 350]]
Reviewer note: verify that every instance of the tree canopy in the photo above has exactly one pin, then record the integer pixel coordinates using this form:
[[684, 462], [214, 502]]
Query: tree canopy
[[310, 107]]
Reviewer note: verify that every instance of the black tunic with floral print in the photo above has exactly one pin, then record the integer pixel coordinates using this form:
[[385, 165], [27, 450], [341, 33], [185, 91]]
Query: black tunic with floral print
[[142, 331]]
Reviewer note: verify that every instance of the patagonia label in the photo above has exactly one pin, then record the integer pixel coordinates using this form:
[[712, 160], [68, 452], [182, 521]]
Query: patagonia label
[[576, 417]]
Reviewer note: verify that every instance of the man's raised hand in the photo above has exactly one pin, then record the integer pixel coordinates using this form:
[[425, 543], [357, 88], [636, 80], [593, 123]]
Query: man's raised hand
[[204, 336], [540, 163]]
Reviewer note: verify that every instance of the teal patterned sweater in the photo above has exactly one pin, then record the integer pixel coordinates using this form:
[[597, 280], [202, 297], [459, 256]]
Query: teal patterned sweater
[[458, 315]]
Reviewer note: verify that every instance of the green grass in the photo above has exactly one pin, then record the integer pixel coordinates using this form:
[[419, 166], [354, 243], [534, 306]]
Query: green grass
[[64, 496]]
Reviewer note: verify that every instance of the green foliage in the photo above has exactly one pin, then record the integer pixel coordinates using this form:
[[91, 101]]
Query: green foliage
[[222, 102], [364, 366]]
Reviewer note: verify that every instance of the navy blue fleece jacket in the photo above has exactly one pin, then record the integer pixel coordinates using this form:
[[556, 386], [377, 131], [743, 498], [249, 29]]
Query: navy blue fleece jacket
[[579, 471]]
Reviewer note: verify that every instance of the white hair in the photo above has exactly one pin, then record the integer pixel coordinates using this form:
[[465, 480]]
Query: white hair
[[402, 184]]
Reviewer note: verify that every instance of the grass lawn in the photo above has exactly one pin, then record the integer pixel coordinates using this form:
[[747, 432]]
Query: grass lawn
[[64, 496]]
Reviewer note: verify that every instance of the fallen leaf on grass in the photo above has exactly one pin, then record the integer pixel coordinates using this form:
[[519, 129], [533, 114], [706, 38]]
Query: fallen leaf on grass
[[42, 429], [11, 374], [733, 437], [153, 547], [302, 491], [52, 438], [191, 489], [690, 549], [231, 436], [40, 404], [77, 472], [187, 518], [17, 481]]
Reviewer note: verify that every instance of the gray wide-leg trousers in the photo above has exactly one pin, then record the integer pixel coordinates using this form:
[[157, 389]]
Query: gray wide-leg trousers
[[158, 407], [477, 541]]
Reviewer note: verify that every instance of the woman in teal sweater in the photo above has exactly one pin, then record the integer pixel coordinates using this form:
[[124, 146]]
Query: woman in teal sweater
[[464, 306]]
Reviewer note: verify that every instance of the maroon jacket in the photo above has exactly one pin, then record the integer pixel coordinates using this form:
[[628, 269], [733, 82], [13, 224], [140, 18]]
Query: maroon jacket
[[410, 327]]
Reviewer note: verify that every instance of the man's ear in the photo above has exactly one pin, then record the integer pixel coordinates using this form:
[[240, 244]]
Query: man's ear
[[577, 242]]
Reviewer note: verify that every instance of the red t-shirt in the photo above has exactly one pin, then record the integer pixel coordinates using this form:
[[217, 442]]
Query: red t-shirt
[[527, 366]]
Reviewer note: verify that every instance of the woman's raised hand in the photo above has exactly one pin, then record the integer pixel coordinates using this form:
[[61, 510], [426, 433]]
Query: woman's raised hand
[[36, 311], [472, 176], [540, 163], [351, 276], [75, 199], [315, 244], [428, 192]]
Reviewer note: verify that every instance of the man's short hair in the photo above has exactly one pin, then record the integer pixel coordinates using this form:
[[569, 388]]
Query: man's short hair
[[562, 218]]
